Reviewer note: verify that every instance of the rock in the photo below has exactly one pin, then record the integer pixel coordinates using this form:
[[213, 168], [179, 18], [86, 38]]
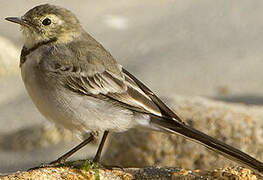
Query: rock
[[33, 137], [9, 57], [238, 125], [163, 173]]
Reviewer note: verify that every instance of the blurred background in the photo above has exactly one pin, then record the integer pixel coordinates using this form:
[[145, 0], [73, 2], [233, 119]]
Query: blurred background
[[195, 48]]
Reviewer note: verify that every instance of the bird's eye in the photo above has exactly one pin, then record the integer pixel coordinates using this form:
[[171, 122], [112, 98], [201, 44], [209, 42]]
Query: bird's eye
[[46, 22]]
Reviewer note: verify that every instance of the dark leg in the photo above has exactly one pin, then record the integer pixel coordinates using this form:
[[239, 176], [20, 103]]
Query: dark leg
[[63, 158], [98, 154]]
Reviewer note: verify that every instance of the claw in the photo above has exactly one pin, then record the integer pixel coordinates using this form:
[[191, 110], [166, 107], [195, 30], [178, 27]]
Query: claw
[[55, 163]]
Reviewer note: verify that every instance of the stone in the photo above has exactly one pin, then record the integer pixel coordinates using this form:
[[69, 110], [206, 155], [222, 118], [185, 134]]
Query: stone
[[33, 137], [164, 173]]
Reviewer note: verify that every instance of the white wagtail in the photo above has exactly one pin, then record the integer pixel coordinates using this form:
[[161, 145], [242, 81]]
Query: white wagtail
[[76, 83]]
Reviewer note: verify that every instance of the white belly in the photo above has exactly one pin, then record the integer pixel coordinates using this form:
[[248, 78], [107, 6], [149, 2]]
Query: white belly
[[74, 112]]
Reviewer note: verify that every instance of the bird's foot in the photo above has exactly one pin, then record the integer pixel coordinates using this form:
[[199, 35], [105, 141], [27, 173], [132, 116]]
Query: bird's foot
[[104, 166], [56, 163]]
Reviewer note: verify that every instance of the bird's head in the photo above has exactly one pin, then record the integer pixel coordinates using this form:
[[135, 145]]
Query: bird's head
[[48, 22]]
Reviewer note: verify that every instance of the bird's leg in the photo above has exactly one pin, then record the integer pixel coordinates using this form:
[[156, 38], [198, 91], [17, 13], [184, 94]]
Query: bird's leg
[[102, 142], [98, 154], [62, 159]]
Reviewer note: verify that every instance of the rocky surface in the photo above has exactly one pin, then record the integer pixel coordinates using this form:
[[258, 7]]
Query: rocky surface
[[153, 173]]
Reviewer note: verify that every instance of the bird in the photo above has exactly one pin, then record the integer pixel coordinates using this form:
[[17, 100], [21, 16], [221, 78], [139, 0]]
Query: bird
[[76, 83]]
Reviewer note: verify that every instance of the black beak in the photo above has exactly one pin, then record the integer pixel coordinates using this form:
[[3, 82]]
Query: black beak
[[17, 20]]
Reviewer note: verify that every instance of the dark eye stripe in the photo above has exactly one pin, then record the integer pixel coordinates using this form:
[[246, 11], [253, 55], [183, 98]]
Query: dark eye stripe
[[46, 22]]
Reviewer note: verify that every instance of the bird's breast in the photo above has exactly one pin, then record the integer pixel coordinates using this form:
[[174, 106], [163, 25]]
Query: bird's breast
[[73, 111], [53, 103]]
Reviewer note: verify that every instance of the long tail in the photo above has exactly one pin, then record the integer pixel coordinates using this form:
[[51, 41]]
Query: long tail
[[228, 151], [172, 123]]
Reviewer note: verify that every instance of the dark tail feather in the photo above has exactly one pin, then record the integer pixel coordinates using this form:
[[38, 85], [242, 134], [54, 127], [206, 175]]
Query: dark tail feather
[[177, 126], [228, 151]]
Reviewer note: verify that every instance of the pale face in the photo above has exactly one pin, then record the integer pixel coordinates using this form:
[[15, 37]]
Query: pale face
[[46, 22], [42, 28]]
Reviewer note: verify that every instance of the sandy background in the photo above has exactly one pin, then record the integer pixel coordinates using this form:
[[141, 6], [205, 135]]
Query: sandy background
[[208, 48]]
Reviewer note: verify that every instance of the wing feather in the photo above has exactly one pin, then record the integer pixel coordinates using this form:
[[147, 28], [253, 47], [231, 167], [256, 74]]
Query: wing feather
[[117, 88], [100, 76]]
